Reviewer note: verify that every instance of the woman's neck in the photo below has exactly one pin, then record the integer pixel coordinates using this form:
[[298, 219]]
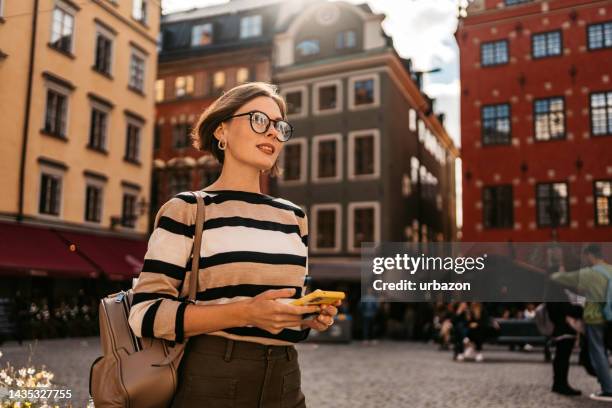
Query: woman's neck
[[236, 177]]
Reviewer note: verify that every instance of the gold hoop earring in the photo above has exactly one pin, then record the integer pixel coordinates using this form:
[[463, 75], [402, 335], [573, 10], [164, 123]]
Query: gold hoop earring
[[222, 144]]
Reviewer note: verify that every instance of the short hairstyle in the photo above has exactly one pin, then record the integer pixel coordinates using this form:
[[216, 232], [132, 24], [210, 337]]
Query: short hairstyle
[[593, 249], [202, 135]]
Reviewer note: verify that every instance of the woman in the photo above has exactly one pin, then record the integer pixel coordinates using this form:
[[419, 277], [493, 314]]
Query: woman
[[240, 351]]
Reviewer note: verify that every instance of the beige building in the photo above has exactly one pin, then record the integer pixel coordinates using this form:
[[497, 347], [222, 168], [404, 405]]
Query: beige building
[[76, 117]]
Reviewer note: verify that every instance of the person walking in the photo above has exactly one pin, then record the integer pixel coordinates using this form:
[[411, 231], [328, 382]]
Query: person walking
[[254, 257], [592, 283]]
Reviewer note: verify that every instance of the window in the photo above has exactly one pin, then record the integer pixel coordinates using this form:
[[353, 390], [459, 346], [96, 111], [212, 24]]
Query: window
[[159, 90], [56, 113], [297, 101], [549, 119], [183, 86], [494, 53], [201, 34], [179, 181], [250, 26], [363, 91], [103, 53], [603, 202], [242, 75], [363, 224], [97, 129], [50, 193], [218, 81], [293, 161], [137, 71], [327, 157], [139, 10], [601, 113], [497, 206], [132, 142], [327, 97], [496, 124], [128, 210], [93, 203], [364, 154], [600, 36], [346, 39], [552, 204], [180, 135], [515, 2], [308, 47], [546, 44], [62, 32], [326, 222]]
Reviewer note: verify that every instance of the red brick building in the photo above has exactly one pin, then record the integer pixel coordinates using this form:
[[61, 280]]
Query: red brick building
[[536, 120]]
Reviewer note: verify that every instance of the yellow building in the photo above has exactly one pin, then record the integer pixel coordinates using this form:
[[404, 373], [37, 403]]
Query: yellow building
[[76, 125]]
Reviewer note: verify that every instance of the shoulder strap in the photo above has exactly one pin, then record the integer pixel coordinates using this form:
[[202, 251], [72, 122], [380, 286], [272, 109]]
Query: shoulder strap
[[197, 245]]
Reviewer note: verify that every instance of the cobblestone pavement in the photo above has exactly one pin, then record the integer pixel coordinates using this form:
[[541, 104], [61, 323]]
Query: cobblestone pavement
[[390, 374]]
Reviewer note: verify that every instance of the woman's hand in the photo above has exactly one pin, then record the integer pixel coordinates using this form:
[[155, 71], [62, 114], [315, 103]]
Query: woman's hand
[[265, 312], [325, 318]]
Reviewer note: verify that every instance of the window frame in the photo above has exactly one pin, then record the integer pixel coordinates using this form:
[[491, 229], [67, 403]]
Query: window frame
[[596, 218], [244, 19], [129, 121], [67, 9], [189, 82], [603, 25], [136, 53], [549, 99], [606, 109], [316, 140], [93, 105], [160, 91], [309, 55], [341, 45], [567, 199], [545, 34], [312, 241], [212, 34], [303, 89], [356, 205], [57, 173], [100, 185], [104, 32], [352, 135], [494, 43], [143, 9], [303, 142], [375, 90], [315, 99], [482, 126], [124, 222], [65, 92], [495, 204]]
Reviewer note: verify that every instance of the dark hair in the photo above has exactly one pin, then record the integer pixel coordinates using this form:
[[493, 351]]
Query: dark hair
[[593, 249], [202, 135]]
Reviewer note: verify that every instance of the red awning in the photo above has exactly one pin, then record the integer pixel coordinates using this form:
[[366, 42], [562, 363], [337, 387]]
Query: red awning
[[118, 257], [39, 251]]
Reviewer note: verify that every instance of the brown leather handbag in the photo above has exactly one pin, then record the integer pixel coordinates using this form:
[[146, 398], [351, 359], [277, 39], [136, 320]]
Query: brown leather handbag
[[138, 372]]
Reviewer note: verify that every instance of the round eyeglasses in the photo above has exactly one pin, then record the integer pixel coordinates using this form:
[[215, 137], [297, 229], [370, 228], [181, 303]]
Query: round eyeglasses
[[260, 123]]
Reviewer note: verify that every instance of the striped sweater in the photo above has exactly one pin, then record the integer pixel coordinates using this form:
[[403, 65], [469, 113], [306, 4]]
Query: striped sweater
[[251, 243]]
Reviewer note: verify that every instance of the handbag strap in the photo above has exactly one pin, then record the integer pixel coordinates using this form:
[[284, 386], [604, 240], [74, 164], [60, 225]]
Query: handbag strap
[[197, 245]]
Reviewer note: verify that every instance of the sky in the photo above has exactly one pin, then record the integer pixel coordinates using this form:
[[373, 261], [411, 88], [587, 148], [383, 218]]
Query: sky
[[423, 31]]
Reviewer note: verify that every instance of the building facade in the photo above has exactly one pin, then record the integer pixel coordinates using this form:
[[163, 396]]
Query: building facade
[[205, 52], [77, 117], [536, 120], [369, 160]]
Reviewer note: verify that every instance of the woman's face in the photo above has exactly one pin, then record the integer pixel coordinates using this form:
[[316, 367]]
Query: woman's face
[[259, 150]]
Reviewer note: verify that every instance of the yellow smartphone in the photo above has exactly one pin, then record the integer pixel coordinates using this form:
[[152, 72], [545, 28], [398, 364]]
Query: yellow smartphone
[[319, 297]]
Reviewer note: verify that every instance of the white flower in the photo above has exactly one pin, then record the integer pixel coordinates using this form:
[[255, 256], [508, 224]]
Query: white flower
[[0, 354], [19, 383], [8, 380], [31, 370], [22, 372]]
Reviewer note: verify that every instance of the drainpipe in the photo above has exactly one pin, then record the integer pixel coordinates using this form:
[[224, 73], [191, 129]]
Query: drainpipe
[[26, 119]]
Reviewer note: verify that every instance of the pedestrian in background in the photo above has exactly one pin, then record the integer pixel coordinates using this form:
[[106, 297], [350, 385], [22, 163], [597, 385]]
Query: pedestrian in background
[[591, 282]]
